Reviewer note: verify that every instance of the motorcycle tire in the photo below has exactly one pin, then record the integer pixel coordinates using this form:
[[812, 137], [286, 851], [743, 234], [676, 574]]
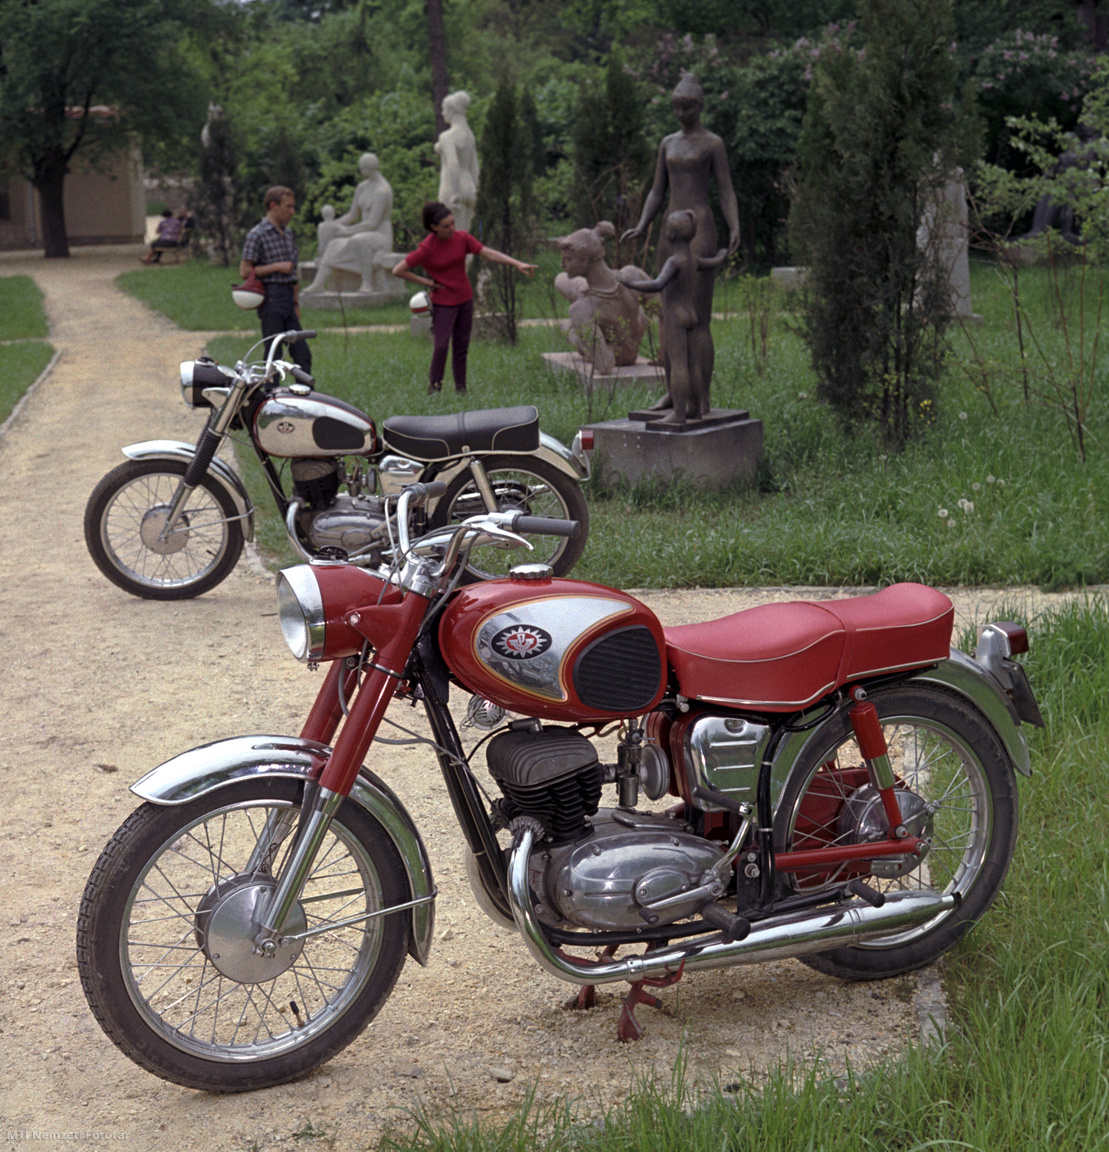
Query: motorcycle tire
[[945, 751], [123, 518], [164, 938], [520, 485]]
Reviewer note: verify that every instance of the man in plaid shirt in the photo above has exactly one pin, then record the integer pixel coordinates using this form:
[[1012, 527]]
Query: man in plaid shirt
[[270, 252]]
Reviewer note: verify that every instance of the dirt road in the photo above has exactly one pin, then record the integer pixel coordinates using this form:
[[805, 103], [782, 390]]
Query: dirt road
[[98, 687]]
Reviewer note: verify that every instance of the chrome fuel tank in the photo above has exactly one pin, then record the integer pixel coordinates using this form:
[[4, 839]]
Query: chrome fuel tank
[[315, 424]]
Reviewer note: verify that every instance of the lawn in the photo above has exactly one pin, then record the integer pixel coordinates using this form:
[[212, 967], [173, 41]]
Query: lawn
[[23, 354], [992, 492]]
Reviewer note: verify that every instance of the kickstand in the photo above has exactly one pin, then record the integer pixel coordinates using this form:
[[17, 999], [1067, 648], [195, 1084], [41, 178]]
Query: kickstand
[[587, 994], [628, 1029]]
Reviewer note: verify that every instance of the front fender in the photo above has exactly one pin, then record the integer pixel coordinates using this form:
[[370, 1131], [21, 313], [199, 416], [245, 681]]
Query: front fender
[[214, 766], [223, 473]]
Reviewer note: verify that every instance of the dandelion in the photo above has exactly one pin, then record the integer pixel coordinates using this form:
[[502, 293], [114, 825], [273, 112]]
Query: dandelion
[[1001, 483], [943, 513], [802, 395], [990, 479], [951, 523], [883, 457], [976, 487], [962, 415]]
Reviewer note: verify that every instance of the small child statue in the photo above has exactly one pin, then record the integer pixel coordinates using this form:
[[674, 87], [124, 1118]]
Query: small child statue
[[686, 376]]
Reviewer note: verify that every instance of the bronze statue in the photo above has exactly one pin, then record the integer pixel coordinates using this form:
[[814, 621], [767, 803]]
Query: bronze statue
[[689, 160], [606, 321], [677, 281]]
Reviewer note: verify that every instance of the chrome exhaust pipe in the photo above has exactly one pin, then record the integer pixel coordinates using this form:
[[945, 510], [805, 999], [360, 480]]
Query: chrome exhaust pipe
[[781, 938]]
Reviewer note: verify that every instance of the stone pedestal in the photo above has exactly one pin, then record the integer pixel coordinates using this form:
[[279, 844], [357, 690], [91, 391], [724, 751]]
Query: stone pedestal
[[590, 378], [344, 291], [711, 453]]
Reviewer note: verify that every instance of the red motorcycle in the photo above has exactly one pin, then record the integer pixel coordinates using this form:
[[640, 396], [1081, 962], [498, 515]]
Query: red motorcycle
[[842, 791]]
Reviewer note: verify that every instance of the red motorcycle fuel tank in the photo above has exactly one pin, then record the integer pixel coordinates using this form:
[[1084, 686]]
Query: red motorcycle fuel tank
[[557, 649], [315, 424]]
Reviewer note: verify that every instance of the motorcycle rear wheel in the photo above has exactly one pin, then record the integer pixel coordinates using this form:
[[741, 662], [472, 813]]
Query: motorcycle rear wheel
[[164, 939], [944, 750], [122, 522], [520, 485]]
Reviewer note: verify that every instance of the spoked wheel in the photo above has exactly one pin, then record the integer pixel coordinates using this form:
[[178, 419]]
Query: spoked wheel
[[165, 938], [520, 484], [124, 519], [955, 784]]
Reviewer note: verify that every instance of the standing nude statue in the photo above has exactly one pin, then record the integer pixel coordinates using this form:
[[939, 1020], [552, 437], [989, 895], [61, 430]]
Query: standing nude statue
[[457, 150], [351, 241], [689, 160], [687, 386]]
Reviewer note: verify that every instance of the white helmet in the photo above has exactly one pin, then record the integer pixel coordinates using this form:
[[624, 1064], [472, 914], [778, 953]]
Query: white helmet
[[248, 295], [420, 303]]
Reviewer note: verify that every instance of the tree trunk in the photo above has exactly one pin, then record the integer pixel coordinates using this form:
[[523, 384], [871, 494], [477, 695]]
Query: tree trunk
[[49, 182], [437, 50]]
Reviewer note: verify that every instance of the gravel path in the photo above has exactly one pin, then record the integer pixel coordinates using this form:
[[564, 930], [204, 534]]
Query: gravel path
[[98, 687]]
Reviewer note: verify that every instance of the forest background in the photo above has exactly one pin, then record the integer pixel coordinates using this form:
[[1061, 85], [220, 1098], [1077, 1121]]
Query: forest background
[[306, 86]]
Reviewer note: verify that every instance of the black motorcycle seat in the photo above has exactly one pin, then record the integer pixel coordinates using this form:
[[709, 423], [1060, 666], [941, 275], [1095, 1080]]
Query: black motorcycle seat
[[441, 437]]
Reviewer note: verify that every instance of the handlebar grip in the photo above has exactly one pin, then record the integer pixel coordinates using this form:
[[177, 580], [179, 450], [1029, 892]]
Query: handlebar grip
[[302, 377], [295, 335], [547, 526], [426, 490]]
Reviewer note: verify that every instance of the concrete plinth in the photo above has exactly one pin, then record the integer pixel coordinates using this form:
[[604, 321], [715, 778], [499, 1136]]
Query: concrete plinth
[[345, 285], [642, 369], [710, 453]]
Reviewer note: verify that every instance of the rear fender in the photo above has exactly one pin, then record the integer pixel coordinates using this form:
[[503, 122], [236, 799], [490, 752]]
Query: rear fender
[[221, 472], [960, 674], [213, 766]]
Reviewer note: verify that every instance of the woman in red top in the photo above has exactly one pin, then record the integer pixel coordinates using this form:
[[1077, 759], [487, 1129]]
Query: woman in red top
[[442, 256]]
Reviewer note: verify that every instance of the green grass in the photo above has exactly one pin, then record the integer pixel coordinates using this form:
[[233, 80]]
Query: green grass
[[23, 322], [21, 313], [196, 295], [828, 509]]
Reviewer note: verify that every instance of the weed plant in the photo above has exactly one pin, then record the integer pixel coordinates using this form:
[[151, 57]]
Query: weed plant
[[990, 491]]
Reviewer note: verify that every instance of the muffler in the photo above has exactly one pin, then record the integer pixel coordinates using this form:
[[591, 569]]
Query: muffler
[[780, 938]]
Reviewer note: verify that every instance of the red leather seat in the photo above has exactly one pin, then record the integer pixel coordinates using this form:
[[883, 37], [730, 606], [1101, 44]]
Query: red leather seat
[[781, 657]]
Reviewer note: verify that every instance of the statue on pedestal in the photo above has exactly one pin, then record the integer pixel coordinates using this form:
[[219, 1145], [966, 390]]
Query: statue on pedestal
[[688, 386], [689, 161], [457, 150], [351, 242], [606, 321]]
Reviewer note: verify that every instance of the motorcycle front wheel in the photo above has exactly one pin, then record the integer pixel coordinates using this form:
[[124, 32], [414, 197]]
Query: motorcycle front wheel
[[165, 938], [520, 484], [955, 781], [124, 519]]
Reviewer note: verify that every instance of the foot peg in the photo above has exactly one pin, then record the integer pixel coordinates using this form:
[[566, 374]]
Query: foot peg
[[732, 927], [864, 892]]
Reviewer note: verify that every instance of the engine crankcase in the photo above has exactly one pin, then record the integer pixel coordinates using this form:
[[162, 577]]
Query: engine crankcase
[[630, 860], [350, 523]]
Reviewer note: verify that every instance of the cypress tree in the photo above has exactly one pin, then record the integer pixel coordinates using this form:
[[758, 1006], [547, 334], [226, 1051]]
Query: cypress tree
[[881, 138]]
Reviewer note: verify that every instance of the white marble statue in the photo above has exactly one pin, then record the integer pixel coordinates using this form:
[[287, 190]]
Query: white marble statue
[[350, 242], [457, 150]]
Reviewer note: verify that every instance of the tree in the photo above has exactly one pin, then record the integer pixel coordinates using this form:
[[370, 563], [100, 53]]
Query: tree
[[505, 206], [881, 138], [83, 79], [611, 157]]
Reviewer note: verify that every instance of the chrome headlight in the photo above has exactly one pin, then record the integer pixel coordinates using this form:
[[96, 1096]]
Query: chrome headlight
[[300, 610]]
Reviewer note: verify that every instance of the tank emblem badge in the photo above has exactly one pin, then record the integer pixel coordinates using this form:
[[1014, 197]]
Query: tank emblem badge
[[285, 427], [520, 642]]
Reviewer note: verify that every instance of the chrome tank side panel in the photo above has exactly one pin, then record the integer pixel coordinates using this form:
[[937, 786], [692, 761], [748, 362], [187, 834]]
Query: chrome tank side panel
[[223, 473], [213, 766]]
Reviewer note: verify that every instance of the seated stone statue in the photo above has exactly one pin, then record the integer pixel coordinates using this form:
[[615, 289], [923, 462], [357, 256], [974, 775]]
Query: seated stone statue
[[606, 321], [351, 241]]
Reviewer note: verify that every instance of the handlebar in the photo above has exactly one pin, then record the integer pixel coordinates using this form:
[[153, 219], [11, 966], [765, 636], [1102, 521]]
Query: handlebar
[[545, 526]]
